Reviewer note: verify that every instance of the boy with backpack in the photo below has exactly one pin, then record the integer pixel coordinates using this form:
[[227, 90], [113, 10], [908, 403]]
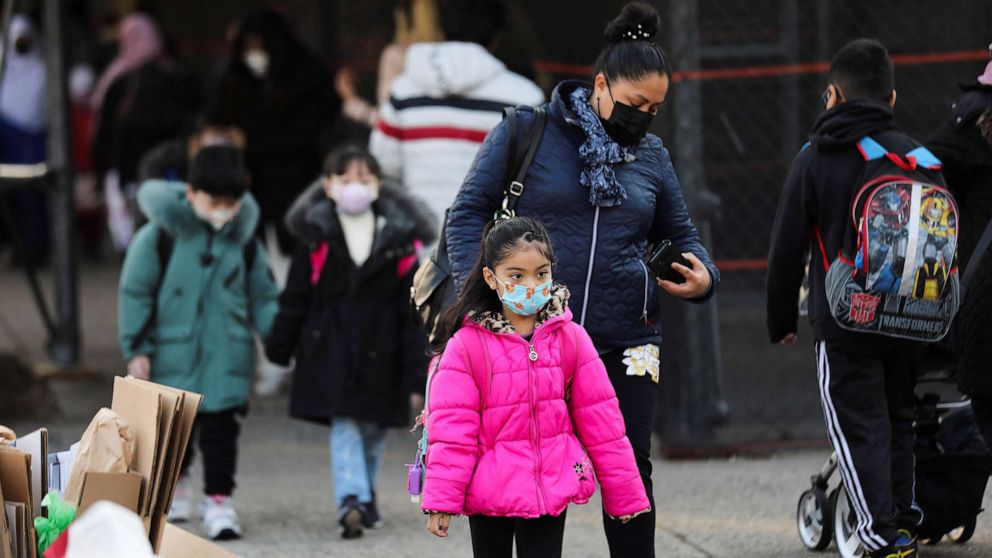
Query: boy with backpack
[[867, 205], [194, 288]]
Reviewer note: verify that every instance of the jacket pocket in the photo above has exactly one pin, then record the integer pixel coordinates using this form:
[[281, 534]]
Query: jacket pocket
[[181, 333]]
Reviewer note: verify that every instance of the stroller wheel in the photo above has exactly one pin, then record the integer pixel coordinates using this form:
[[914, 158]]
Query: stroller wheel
[[814, 519], [932, 541], [963, 533], [845, 525]]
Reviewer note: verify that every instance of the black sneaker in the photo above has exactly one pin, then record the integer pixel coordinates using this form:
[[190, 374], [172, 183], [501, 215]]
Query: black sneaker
[[351, 518], [372, 518]]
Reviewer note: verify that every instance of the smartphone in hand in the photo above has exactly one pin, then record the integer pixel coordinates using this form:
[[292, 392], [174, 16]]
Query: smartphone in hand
[[661, 262]]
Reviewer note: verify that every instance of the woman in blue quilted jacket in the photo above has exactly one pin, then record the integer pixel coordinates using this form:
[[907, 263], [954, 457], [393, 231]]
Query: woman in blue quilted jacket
[[607, 191]]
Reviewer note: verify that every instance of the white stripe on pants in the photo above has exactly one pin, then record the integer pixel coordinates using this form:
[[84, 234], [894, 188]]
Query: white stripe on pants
[[871, 540]]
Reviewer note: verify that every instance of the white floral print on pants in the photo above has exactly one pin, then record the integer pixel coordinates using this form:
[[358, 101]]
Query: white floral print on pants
[[643, 361]]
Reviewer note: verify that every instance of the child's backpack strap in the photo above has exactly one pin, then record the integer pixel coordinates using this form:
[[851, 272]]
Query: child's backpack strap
[[164, 245], [920, 156]]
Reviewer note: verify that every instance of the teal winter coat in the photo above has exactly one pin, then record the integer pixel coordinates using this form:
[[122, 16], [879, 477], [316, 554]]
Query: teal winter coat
[[208, 304]]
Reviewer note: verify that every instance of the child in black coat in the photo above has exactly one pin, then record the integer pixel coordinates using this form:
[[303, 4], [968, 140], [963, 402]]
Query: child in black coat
[[346, 317]]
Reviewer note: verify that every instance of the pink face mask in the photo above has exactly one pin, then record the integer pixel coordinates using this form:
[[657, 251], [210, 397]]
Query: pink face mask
[[354, 198]]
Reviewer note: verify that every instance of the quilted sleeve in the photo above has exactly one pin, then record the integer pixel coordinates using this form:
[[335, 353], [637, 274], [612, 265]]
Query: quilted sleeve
[[600, 426], [479, 197], [672, 222], [453, 423]]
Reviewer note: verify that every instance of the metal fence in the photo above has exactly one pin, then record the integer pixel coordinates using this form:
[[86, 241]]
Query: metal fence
[[746, 91]]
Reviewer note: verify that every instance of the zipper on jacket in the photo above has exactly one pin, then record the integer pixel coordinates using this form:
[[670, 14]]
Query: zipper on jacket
[[538, 462], [647, 284], [592, 259]]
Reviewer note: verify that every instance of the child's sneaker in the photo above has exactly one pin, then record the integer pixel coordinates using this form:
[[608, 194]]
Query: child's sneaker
[[181, 509], [220, 520], [372, 518], [351, 518]]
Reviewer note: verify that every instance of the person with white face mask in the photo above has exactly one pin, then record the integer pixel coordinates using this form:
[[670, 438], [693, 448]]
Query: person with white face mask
[[346, 318], [195, 289], [281, 96]]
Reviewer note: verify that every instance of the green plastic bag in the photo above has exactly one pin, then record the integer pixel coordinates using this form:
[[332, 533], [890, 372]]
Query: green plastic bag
[[60, 515]]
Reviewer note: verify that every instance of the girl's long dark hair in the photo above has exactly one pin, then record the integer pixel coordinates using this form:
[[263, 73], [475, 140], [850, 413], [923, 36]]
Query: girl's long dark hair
[[499, 240]]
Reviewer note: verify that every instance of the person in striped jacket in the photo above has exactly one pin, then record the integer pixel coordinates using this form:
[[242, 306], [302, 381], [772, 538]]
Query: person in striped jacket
[[448, 97]]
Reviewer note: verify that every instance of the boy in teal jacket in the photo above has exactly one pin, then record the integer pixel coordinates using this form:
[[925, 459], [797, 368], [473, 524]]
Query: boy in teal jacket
[[194, 289]]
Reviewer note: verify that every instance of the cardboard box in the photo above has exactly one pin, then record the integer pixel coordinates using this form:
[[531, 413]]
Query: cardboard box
[[179, 543], [36, 444], [162, 423], [15, 482], [6, 536], [160, 420], [121, 488]]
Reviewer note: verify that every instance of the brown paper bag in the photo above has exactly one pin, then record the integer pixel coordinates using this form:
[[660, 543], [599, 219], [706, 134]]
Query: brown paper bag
[[107, 446]]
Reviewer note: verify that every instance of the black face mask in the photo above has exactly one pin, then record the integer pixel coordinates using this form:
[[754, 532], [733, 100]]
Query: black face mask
[[626, 125]]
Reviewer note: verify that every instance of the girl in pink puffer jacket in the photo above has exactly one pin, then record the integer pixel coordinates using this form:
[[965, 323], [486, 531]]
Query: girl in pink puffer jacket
[[522, 418]]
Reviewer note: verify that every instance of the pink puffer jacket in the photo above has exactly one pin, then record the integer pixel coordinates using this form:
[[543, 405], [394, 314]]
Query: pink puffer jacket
[[520, 456]]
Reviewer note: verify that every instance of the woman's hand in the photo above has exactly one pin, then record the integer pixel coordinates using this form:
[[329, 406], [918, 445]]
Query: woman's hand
[[697, 279], [438, 524]]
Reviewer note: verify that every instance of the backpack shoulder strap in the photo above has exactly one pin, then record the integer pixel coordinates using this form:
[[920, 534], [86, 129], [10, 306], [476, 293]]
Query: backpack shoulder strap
[[871, 149], [164, 245]]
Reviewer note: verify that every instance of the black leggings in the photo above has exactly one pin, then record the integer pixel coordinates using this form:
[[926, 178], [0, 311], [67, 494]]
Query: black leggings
[[637, 396], [492, 537]]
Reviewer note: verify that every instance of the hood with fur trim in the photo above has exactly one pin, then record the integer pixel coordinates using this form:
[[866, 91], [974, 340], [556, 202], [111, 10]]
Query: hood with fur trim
[[313, 208], [164, 202]]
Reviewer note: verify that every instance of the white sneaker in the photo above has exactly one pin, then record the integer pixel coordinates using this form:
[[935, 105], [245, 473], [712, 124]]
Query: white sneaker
[[182, 502], [220, 520]]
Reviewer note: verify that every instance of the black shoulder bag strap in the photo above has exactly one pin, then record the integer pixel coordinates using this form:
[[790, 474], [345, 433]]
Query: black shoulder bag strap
[[976, 257], [517, 164]]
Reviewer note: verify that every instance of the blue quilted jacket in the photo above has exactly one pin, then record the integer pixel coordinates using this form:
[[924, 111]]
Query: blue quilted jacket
[[601, 251]]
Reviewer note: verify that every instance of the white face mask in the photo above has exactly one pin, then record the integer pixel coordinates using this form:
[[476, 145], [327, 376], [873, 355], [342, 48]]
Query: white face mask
[[258, 62], [216, 218]]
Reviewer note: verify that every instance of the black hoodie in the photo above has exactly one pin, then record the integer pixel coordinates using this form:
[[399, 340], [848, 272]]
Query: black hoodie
[[817, 196]]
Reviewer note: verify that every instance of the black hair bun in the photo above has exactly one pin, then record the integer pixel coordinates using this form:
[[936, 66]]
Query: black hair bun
[[637, 21]]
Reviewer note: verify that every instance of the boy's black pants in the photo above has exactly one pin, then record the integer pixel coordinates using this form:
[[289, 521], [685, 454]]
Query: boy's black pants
[[982, 406], [492, 537], [218, 438], [867, 392], [637, 396]]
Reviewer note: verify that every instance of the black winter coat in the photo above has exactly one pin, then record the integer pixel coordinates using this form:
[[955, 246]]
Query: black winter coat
[[360, 350], [967, 159], [285, 123]]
